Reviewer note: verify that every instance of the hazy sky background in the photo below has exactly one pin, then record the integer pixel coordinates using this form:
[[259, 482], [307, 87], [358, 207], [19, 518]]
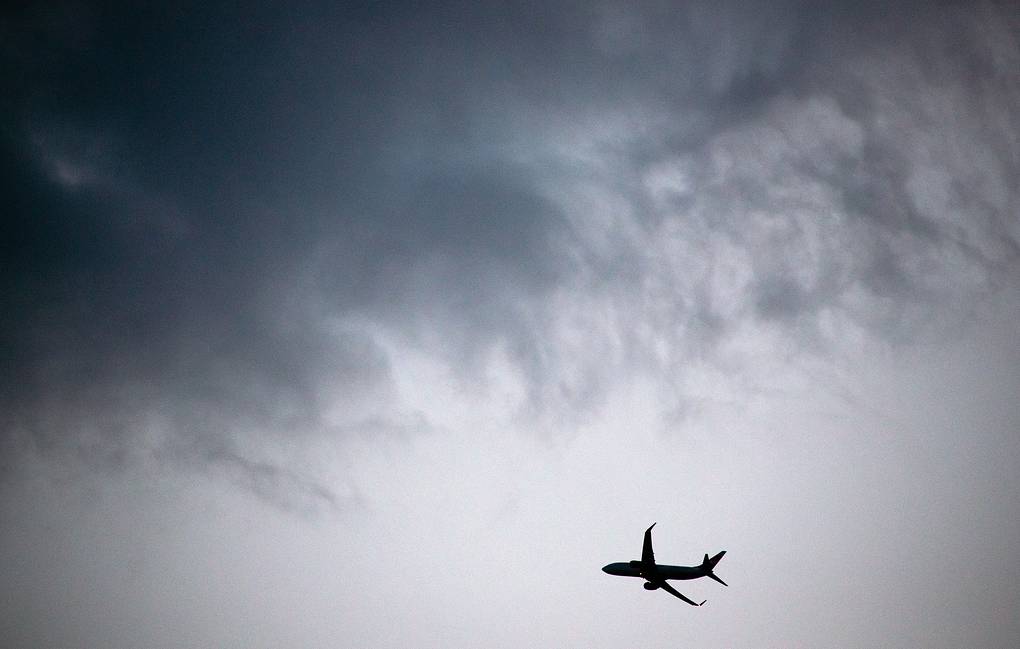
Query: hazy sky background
[[386, 325]]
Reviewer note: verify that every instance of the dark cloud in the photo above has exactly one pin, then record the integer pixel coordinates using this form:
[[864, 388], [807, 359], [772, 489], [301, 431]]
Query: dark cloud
[[197, 197], [202, 202], [280, 486]]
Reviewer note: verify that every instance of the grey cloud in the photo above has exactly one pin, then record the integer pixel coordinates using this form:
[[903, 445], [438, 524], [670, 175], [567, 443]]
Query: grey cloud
[[194, 198], [280, 486], [862, 191], [290, 206]]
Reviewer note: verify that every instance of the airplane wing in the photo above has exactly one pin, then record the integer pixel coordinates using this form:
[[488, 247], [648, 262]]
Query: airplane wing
[[672, 591], [647, 556]]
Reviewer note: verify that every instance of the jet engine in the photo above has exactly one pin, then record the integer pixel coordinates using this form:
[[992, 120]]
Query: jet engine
[[650, 586]]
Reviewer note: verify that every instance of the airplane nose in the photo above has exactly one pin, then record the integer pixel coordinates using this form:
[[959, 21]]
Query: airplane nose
[[605, 569]]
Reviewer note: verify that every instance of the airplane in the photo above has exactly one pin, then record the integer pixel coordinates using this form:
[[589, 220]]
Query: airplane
[[655, 574]]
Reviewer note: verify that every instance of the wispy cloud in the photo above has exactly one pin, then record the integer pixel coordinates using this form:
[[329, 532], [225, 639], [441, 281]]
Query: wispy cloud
[[665, 187]]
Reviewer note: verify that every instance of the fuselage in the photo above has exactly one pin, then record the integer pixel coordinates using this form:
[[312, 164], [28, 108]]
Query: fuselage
[[658, 571]]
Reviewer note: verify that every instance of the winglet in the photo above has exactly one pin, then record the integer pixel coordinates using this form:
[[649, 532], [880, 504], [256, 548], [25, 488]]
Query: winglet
[[702, 602], [647, 555]]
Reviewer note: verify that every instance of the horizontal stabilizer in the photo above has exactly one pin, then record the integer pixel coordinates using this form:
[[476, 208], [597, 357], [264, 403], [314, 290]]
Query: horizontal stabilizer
[[709, 566]]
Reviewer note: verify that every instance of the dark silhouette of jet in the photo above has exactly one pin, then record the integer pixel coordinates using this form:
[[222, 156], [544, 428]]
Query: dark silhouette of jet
[[655, 575]]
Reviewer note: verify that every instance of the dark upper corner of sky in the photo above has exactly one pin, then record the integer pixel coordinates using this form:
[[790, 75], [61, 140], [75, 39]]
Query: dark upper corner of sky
[[246, 77], [325, 115], [304, 110], [378, 124]]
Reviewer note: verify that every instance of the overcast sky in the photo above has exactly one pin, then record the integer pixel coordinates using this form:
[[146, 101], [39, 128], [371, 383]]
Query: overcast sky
[[371, 325]]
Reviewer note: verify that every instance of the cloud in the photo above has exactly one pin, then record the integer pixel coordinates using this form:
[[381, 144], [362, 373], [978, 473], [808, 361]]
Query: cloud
[[846, 201], [239, 228]]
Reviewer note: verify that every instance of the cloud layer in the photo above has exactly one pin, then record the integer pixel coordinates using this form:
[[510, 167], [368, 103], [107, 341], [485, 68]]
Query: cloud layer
[[203, 207]]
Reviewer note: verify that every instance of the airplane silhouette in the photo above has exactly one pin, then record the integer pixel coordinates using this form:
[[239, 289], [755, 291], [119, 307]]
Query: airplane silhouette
[[655, 575]]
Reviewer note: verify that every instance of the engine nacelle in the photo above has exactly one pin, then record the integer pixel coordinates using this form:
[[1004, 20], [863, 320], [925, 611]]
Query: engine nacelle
[[650, 586]]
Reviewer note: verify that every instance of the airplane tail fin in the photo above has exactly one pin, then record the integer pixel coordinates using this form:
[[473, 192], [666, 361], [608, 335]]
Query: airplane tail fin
[[709, 564]]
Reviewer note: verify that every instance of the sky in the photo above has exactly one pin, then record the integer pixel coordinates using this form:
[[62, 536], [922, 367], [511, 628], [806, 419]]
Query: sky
[[372, 324]]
